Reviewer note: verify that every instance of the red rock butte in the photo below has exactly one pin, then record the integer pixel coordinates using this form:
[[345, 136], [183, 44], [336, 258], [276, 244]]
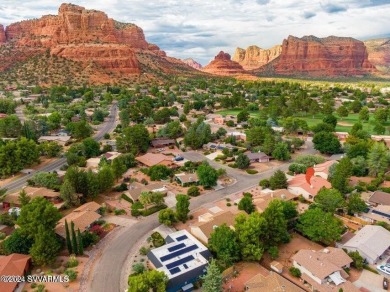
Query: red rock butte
[[223, 65], [81, 35], [330, 56]]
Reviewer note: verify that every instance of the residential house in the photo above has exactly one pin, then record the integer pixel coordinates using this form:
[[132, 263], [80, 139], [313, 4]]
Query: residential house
[[323, 267], [257, 157], [152, 159], [238, 135], [61, 140], [375, 214], [111, 155], [160, 143], [262, 200], [13, 265], [272, 282], [219, 120], [217, 146], [322, 169], [307, 185], [372, 242], [82, 217], [206, 225], [183, 259], [379, 198], [12, 200], [135, 189], [186, 179]]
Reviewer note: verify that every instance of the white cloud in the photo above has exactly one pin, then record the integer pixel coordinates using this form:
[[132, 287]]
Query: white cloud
[[201, 28]]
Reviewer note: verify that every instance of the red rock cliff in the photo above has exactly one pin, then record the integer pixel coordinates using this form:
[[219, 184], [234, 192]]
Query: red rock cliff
[[2, 35], [85, 36], [379, 53], [331, 56], [223, 65], [254, 57], [192, 63]]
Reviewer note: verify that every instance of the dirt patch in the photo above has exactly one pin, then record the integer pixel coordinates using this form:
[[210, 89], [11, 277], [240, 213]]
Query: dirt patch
[[344, 124]]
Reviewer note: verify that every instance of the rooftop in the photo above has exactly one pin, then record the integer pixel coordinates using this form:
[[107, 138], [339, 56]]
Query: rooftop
[[13, 264], [272, 282], [316, 183], [380, 198], [151, 159], [208, 227]]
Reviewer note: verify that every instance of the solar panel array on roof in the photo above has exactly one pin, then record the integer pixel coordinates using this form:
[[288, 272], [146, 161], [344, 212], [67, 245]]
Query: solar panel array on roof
[[179, 262], [176, 247], [381, 213], [174, 270], [181, 238], [179, 252]]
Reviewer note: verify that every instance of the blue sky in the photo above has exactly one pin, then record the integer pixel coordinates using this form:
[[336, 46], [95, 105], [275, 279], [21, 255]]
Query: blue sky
[[201, 28]]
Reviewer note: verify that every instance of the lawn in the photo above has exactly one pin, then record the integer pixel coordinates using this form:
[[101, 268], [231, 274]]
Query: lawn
[[344, 124]]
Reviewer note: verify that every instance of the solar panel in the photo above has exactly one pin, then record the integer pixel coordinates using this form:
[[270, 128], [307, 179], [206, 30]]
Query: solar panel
[[176, 247], [174, 270], [180, 262], [381, 213], [179, 252], [181, 238]]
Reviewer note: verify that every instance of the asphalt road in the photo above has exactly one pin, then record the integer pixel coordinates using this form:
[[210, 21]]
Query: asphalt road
[[106, 273], [107, 127]]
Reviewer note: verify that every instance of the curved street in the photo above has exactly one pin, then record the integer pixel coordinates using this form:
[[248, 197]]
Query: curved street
[[107, 127], [106, 273]]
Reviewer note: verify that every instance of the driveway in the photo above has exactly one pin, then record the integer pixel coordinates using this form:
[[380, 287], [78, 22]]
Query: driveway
[[370, 281], [120, 221]]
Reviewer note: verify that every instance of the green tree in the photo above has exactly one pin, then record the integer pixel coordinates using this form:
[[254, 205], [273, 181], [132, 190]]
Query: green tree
[[207, 175], [358, 261], [75, 247], [364, 114], [80, 130], [10, 127], [197, 135], [242, 116], [24, 199], [340, 178], [46, 247], [39, 212], [289, 209], [281, 152], [223, 241], [67, 238], [381, 115], [320, 226], [246, 203], [167, 217], [278, 180], [249, 231], [326, 143], [48, 180], [106, 178], [118, 167], [80, 243], [150, 280], [309, 160], [18, 242], [91, 148], [355, 204], [329, 200], [331, 120], [359, 166], [134, 139], [68, 194], [182, 207], [342, 111], [212, 281], [193, 191], [378, 159], [242, 161], [275, 227], [159, 172]]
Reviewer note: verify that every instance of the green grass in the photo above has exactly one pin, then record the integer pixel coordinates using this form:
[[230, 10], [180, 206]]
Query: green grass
[[316, 119]]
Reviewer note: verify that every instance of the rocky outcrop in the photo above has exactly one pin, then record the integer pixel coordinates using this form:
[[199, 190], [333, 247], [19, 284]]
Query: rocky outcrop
[[223, 65], [331, 56], [192, 63], [2, 35], [81, 35], [379, 53], [254, 57]]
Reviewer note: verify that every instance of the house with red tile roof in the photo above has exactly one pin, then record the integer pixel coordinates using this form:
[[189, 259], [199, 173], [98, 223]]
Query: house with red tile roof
[[307, 185], [13, 265], [151, 159], [322, 169]]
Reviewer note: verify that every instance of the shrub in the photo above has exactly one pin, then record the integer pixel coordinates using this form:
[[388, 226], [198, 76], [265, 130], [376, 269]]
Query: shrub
[[193, 191], [138, 268], [97, 229], [72, 262], [72, 274], [228, 204], [135, 212], [122, 187], [152, 210], [264, 183], [2, 235], [144, 250], [295, 272], [89, 238], [232, 165], [119, 212], [157, 239], [251, 171], [127, 198], [273, 252]]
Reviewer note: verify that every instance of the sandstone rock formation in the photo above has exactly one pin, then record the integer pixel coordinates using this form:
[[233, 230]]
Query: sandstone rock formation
[[2, 34], [254, 57], [223, 65], [330, 56], [81, 35], [192, 63], [379, 53]]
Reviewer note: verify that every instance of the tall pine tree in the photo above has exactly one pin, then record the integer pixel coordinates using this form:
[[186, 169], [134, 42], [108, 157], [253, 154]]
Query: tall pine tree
[[68, 242], [80, 242], [212, 279]]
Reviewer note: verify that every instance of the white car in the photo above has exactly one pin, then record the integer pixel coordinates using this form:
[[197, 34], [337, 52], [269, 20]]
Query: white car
[[384, 268]]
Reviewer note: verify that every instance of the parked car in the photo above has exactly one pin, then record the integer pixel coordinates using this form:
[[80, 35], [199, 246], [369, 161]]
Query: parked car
[[178, 158], [384, 268], [385, 283]]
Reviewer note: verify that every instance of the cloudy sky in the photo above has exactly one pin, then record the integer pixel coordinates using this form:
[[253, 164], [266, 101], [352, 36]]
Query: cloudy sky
[[201, 28]]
